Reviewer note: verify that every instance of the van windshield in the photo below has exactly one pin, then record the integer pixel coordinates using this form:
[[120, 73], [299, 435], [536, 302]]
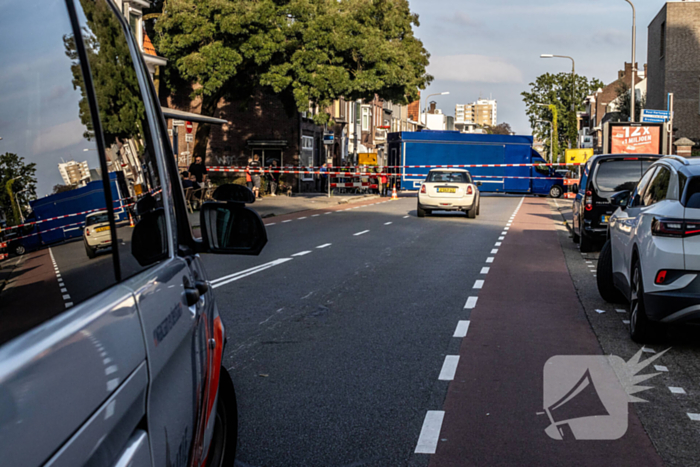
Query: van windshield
[[618, 175]]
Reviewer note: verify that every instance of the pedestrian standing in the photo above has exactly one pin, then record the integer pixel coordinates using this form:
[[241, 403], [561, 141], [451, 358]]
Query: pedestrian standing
[[255, 175], [383, 179], [198, 169], [323, 178], [248, 178], [273, 178]]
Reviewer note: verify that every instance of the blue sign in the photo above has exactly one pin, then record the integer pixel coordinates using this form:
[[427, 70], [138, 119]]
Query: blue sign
[[647, 119], [328, 138], [656, 113]]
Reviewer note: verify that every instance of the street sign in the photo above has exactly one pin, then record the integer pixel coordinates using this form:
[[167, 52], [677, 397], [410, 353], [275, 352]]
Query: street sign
[[189, 138], [178, 123], [646, 119], [655, 116], [328, 138], [188, 127]]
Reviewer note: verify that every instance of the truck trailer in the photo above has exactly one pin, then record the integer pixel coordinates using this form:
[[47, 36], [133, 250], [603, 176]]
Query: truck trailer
[[452, 148]]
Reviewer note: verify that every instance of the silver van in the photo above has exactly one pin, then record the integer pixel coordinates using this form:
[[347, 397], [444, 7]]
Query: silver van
[[114, 360]]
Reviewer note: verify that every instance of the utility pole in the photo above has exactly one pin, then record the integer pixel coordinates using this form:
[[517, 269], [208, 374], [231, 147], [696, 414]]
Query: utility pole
[[633, 96]]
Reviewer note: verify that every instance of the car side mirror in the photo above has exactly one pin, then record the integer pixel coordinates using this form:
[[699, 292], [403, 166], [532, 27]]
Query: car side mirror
[[233, 229], [231, 193], [620, 199], [149, 240]]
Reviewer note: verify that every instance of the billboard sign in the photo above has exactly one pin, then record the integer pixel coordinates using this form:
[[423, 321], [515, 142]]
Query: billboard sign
[[635, 138]]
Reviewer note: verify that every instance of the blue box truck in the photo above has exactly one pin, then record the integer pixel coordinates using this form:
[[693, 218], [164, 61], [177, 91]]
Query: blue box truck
[[455, 148], [41, 229]]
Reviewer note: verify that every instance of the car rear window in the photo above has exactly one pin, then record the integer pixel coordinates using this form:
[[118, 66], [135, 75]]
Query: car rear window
[[617, 175], [449, 177], [97, 219]]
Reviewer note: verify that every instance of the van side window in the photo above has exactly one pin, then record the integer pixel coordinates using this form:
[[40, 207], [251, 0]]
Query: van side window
[[55, 218], [658, 188], [141, 231]]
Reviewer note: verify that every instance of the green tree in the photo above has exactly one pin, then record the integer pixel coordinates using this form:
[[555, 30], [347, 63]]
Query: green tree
[[625, 99], [308, 52], [17, 185], [500, 129], [555, 89]]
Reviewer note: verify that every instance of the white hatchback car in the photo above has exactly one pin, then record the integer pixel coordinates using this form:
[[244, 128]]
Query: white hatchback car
[[449, 190], [96, 233], [652, 256]]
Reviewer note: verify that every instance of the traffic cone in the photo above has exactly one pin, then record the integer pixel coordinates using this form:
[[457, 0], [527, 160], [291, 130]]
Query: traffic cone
[[131, 221], [393, 194]]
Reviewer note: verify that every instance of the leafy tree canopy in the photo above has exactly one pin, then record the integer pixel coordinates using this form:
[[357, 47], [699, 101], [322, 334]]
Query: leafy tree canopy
[[13, 167], [308, 51], [624, 103], [500, 129], [555, 89]]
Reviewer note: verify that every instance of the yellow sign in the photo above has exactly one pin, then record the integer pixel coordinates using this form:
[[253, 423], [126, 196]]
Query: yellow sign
[[367, 158], [578, 156]]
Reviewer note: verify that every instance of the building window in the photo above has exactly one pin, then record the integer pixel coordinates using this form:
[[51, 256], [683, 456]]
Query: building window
[[663, 40], [306, 158], [365, 119]]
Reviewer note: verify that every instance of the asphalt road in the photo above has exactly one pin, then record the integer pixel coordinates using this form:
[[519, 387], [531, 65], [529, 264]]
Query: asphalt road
[[336, 352]]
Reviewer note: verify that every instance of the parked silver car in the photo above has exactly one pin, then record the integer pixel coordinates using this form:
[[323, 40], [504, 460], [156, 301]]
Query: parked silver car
[[117, 360]]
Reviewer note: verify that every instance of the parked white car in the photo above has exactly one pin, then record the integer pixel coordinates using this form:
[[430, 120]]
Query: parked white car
[[449, 190], [652, 256], [96, 232]]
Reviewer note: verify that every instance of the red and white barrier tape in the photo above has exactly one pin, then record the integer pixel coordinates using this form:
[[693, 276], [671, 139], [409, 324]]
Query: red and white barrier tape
[[450, 166], [354, 185]]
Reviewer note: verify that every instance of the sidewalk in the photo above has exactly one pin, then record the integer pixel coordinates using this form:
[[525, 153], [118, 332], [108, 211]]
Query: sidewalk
[[527, 312], [280, 205]]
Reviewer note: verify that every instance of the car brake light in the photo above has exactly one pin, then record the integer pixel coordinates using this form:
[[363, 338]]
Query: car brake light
[[469, 190], [631, 158], [589, 207], [589, 193], [422, 189], [660, 277], [674, 228], [87, 232]]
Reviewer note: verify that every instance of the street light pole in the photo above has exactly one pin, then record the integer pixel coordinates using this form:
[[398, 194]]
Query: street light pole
[[633, 91], [551, 141], [426, 105], [573, 87]]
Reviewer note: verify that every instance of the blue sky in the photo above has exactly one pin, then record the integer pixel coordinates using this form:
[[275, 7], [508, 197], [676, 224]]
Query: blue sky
[[492, 47]]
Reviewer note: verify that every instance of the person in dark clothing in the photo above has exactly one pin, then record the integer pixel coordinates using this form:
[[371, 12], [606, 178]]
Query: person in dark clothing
[[198, 169], [273, 178], [185, 179], [255, 175]]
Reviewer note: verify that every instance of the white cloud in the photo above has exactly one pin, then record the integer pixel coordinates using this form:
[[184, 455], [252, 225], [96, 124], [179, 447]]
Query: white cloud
[[59, 137], [474, 69]]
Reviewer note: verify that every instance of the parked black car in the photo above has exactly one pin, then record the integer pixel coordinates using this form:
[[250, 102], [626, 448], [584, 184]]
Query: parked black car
[[603, 176]]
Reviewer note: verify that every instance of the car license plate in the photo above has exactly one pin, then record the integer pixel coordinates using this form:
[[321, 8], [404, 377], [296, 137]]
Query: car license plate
[[447, 190], [604, 219], [101, 229]]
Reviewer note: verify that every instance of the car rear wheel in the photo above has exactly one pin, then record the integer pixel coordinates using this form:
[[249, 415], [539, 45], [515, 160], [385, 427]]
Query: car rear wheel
[[222, 451], [604, 276], [20, 250], [91, 253], [642, 330], [556, 191], [471, 213], [478, 206], [421, 211]]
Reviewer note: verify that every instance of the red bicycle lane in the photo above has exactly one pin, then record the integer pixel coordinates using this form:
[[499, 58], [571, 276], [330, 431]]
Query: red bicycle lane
[[527, 312]]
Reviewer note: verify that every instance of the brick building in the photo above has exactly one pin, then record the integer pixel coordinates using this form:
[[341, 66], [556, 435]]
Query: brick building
[[673, 56]]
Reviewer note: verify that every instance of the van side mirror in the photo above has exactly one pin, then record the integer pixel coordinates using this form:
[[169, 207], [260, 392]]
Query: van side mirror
[[620, 199], [231, 228], [149, 241]]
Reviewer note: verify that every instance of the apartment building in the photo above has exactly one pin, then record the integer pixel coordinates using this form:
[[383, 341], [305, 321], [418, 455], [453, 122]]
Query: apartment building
[[74, 173], [672, 55], [483, 112]]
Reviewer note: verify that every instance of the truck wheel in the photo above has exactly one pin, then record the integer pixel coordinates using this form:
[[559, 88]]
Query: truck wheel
[[20, 250], [556, 191], [642, 330], [471, 213], [90, 252], [222, 450], [421, 211], [604, 276], [586, 244]]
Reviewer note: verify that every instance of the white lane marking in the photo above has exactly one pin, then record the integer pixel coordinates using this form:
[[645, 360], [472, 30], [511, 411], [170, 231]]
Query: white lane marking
[[693, 416], [284, 222], [326, 245], [449, 368], [600, 312], [106, 361], [644, 349], [66, 296], [301, 253], [302, 218], [489, 260], [509, 224], [406, 217], [675, 390], [389, 223], [503, 238], [316, 215], [111, 369], [64, 290], [58, 275], [113, 383], [462, 329], [478, 284], [69, 304], [591, 262], [508, 228], [248, 272], [471, 303], [591, 265], [495, 250], [661, 368], [331, 212], [430, 432], [501, 243], [625, 321], [504, 233], [619, 310], [485, 270], [361, 233], [273, 223]]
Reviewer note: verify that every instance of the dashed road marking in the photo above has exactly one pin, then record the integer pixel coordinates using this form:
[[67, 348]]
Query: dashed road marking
[[331, 212], [501, 238], [478, 284], [498, 244], [489, 260], [301, 218], [676, 390], [471, 303], [485, 270], [462, 329], [449, 368], [273, 223], [619, 310], [389, 223], [494, 251], [406, 217], [661, 368], [248, 272], [315, 215], [301, 253], [694, 417], [361, 233], [325, 245], [430, 432], [284, 222]]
